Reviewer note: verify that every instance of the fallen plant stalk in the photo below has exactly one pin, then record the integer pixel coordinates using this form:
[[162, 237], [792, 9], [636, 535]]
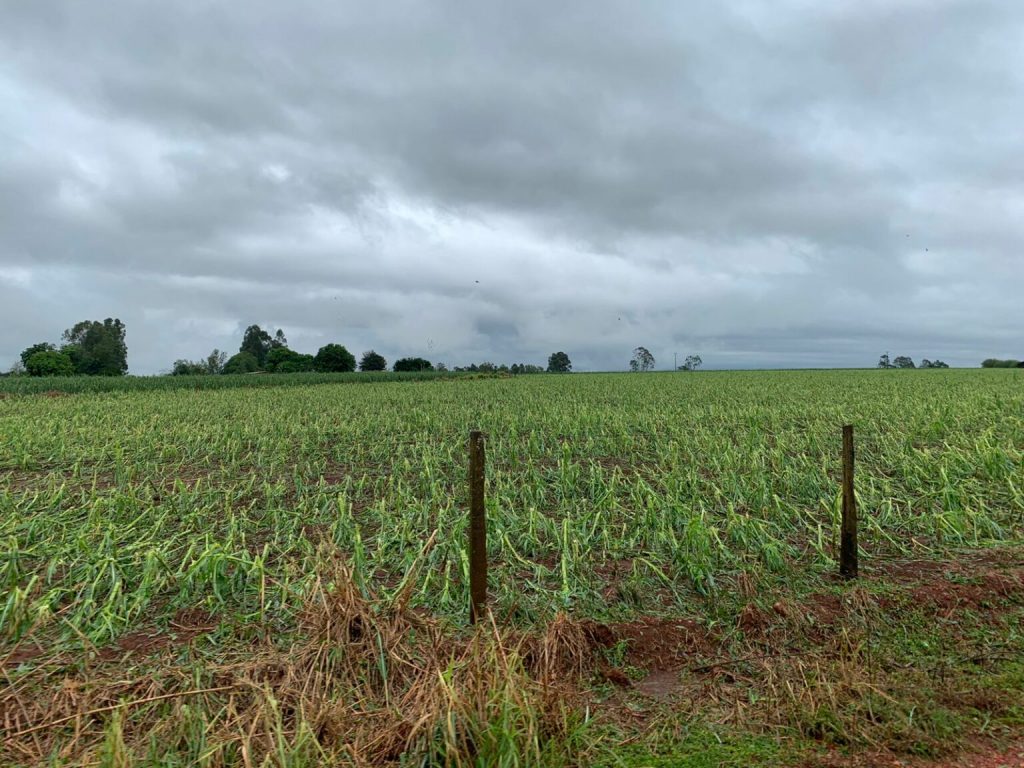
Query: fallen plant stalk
[[112, 707]]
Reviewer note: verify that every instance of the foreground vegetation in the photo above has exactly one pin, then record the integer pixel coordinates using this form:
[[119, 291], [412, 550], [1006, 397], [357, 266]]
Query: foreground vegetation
[[278, 575]]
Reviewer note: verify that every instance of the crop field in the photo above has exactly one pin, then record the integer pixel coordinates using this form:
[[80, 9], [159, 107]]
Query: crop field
[[278, 575]]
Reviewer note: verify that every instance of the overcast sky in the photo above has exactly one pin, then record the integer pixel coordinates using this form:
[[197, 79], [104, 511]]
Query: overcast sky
[[769, 184]]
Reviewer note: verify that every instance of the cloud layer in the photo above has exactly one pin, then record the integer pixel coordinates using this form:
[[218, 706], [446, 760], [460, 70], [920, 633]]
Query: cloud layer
[[791, 184]]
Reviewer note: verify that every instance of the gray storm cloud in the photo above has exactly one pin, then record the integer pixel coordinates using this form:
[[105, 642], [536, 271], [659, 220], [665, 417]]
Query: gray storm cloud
[[784, 184]]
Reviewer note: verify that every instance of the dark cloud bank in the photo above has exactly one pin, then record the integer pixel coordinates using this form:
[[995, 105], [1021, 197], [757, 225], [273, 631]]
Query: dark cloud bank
[[768, 184]]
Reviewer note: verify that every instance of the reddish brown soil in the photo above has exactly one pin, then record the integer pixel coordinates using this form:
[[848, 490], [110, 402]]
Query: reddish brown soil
[[20, 655], [663, 645], [186, 625], [938, 589], [980, 758], [316, 532]]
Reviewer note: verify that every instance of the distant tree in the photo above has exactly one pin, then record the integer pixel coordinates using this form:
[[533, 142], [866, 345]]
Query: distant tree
[[243, 362], [284, 360], [43, 346], [903, 362], [276, 356], [97, 349], [371, 361], [279, 340], [528, 368], [407, 364], [441, 367], [883, 361], [50, 362], [926, 363], [296, 363], [486, 367], [215, 361], [188, 368], [642, 361], [258, 343], [559, 362], [996, 363], [212, 364], [17, 369], [692, 363], [334, 358]]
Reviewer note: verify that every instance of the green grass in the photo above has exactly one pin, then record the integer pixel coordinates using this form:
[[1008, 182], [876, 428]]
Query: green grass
[[702, 747]]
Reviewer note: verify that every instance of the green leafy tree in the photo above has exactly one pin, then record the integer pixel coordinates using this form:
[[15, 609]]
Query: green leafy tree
[[215, 361], [187, 368], [211, 365], [903, 362], [243, 362], [559, 362], [996, 363], [334, 358], [642, 361], [297, 363], [407, 364], [50, 362], [276, 356], [97, 349], [258, 343], [692, 363], [284, 360], [883, 361], [371, 361], [43, 346]]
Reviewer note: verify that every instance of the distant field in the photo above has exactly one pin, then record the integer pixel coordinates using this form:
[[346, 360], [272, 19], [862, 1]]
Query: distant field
[[155, 542], [28, 385]]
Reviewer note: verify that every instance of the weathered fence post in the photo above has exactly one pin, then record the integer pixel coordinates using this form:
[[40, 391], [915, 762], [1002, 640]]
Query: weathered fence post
[[848, 533], [477, 529]]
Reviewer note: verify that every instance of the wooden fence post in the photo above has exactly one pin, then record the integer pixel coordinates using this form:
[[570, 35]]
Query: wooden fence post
[[477, 529], [848, 534]]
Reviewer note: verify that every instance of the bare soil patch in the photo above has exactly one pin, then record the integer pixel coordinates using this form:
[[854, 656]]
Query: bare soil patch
[[186, 625], [979, 757], [663, 645]]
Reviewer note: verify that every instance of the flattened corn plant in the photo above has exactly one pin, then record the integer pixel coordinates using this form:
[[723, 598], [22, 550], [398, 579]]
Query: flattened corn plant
[[607, 494]]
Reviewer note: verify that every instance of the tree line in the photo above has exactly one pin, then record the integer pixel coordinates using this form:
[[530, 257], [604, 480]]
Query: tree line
[[97, 348], [902, 361], [558, 362], [88, 348], [262, 353], [643, 361]]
